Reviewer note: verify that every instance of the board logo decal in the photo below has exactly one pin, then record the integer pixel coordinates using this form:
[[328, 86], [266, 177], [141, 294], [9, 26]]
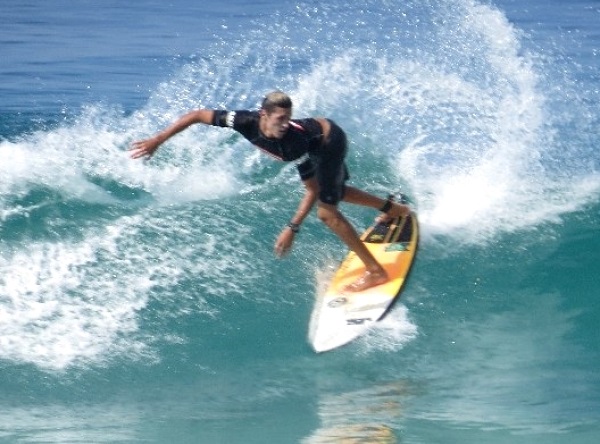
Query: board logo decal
[[400, 246], [359, 321], [337, 302]]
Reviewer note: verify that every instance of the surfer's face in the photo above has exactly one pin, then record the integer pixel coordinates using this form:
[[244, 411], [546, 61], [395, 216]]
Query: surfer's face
[[275, 124]]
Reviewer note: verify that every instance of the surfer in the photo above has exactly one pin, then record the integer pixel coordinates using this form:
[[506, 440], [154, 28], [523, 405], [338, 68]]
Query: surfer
[[318, 146]]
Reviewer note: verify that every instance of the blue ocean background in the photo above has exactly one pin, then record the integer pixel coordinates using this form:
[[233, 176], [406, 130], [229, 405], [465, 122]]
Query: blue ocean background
[[141, 301]]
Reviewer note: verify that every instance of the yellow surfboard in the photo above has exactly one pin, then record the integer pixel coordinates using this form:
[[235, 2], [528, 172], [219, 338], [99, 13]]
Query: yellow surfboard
[[338, 316]]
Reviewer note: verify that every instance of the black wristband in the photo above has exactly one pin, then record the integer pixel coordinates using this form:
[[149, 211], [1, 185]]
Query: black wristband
[[294, 227], [387, 206]]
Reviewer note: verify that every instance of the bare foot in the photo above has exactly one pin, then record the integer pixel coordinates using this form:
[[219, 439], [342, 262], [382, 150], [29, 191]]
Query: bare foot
[[367, 280], [397, 210]]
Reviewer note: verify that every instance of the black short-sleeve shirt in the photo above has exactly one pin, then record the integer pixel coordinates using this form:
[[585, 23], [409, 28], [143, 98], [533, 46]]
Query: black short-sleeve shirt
[[302, 141]]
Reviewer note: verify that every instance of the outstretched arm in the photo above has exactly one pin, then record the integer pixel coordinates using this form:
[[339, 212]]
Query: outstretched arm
[[286, 238], [147, 147]]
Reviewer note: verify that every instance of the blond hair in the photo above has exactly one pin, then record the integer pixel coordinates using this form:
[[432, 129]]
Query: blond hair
[[276, 99]]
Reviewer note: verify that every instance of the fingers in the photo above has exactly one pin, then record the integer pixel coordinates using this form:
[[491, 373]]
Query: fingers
[[281, 251], [283, 244], [282, 248], [141, 148]]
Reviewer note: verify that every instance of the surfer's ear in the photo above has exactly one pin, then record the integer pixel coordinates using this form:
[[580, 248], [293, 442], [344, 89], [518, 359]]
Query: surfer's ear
[[263, 113]]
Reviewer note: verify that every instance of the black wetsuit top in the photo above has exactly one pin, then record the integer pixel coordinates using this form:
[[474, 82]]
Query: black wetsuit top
[[302, 143]]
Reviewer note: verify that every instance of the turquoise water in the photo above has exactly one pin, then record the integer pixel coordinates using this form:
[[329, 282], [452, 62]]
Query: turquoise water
[[141, 302]]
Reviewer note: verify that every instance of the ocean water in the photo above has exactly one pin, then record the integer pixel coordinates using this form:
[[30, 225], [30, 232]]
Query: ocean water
[[141, 301]]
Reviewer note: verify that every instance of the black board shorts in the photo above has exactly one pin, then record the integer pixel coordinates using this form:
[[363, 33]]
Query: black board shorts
[[331, 170]]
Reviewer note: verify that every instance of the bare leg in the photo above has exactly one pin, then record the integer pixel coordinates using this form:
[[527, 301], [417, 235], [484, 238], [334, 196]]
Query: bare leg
[[359, 197], [375, 274]]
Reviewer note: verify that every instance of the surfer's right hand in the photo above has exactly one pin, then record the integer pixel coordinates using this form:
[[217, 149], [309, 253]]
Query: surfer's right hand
[[144, 148]]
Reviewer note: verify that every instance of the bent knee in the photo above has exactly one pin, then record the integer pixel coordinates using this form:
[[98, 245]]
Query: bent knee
[[328, 214]]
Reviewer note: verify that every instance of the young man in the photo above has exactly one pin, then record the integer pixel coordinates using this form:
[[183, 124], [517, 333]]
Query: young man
[[318, 146]]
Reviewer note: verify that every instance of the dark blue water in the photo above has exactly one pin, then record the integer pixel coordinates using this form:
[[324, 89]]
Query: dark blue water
[[141, 302]]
